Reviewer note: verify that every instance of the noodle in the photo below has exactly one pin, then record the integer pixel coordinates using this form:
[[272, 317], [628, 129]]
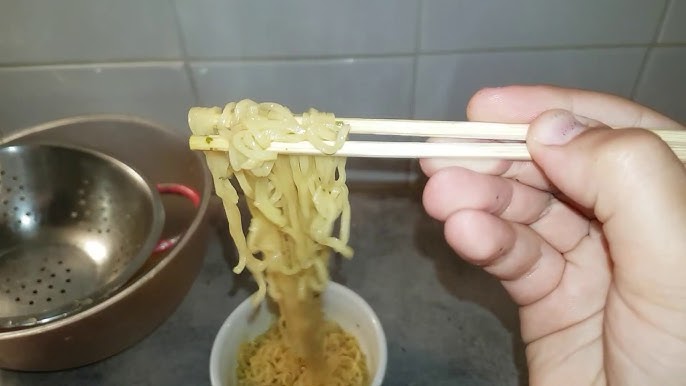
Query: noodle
[[295, 202], [270, 351]]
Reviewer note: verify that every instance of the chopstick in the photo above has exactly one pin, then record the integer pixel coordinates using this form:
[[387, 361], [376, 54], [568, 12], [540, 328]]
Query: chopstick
[[376, 149], [439, 129], [503, 140]]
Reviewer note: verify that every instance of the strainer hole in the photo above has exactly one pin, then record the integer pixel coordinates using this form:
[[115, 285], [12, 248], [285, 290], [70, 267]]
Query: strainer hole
[[68, 280], [99, 230], [42, 269], [49, 299], [2, 172], [59, 262], [39, 281], [16, 208], [35, 292], [82, 202], [5, 201], [17, 299], [21, 187], [68, 269], [14, 178], [52, 275], [63, 291], [9, 190], [22, 198], [31, 303], [28, 213], [23, 286], [107, 230], [74, 214], [50, 286], [7, 291]]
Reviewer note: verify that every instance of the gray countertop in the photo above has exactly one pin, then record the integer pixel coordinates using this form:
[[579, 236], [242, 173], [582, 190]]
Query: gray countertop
[[446, 323]]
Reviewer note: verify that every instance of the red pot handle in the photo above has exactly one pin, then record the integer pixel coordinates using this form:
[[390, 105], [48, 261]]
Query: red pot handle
[[181, 190]]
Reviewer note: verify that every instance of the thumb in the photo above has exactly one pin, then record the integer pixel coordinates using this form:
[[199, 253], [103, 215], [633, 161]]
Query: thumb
[[635, 186]]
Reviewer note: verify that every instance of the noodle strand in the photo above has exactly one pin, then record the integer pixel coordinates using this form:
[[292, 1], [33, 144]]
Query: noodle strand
[[295, 203]]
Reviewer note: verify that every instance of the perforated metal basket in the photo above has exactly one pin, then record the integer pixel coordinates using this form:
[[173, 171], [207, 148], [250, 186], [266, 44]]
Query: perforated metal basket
[[75, 225]]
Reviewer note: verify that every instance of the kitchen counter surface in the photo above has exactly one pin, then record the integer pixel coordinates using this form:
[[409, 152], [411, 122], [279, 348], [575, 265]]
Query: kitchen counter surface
[[446, 323]]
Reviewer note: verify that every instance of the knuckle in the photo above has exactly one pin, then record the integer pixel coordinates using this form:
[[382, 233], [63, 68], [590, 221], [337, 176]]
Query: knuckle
[[636, 148], [433, 196]]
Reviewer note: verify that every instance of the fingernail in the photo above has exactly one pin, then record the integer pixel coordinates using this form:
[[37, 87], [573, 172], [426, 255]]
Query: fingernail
[[558, 127]]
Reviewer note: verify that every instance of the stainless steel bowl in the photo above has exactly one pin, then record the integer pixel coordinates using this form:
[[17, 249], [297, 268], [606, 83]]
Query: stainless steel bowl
[[156, 290], [75, 226]]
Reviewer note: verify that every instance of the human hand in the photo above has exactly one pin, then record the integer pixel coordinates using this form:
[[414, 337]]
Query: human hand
[[589, 238]]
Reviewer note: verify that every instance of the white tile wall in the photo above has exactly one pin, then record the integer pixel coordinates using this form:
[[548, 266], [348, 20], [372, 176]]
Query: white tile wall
[[160, 92], [446, 82], [265, 28], [663, 85], [37, 31], [373, 58], [470, 24], [348, 87], [674, 29]]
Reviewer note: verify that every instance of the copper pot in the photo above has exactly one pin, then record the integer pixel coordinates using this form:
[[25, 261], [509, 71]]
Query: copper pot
[[149, 298]]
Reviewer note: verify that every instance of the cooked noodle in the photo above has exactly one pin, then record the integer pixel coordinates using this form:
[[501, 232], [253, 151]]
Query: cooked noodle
[[295, 202], [268, 360]]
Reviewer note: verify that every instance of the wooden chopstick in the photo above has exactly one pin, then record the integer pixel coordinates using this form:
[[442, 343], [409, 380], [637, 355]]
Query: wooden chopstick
[[463, 129], [511, 147], [438, 129], [375, 149]]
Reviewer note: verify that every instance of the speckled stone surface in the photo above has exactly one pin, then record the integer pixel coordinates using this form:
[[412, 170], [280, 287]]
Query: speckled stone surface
[[446, 323]]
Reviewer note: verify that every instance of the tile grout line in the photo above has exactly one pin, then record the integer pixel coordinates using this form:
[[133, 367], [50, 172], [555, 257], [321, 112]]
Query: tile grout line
[[579, 47], [417, 44], [184, 53], [412, 164], [104, 65], [646, 56], [483, 50], [322, 58]]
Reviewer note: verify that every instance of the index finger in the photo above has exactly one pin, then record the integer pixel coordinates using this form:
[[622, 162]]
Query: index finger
[[522, 104]]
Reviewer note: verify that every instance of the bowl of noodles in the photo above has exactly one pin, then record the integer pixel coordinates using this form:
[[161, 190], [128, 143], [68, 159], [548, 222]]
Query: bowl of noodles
[[355, 345], [298, 328]]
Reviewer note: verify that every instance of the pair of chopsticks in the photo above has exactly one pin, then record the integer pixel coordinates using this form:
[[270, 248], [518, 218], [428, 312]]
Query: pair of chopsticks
[[498, 140]]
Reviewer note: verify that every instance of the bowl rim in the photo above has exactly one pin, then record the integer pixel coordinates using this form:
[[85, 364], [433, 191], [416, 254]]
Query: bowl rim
[[134, 264], [196, 223], [337, 288]]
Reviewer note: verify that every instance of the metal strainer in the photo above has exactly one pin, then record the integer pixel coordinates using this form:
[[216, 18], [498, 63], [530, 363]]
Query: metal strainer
[[75, 225]]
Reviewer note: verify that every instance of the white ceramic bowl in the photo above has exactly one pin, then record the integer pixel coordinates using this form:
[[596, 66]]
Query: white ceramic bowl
[[340, 304]]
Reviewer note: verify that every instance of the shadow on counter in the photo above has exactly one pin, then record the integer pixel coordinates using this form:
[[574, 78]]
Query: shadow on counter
[[467, 282]]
